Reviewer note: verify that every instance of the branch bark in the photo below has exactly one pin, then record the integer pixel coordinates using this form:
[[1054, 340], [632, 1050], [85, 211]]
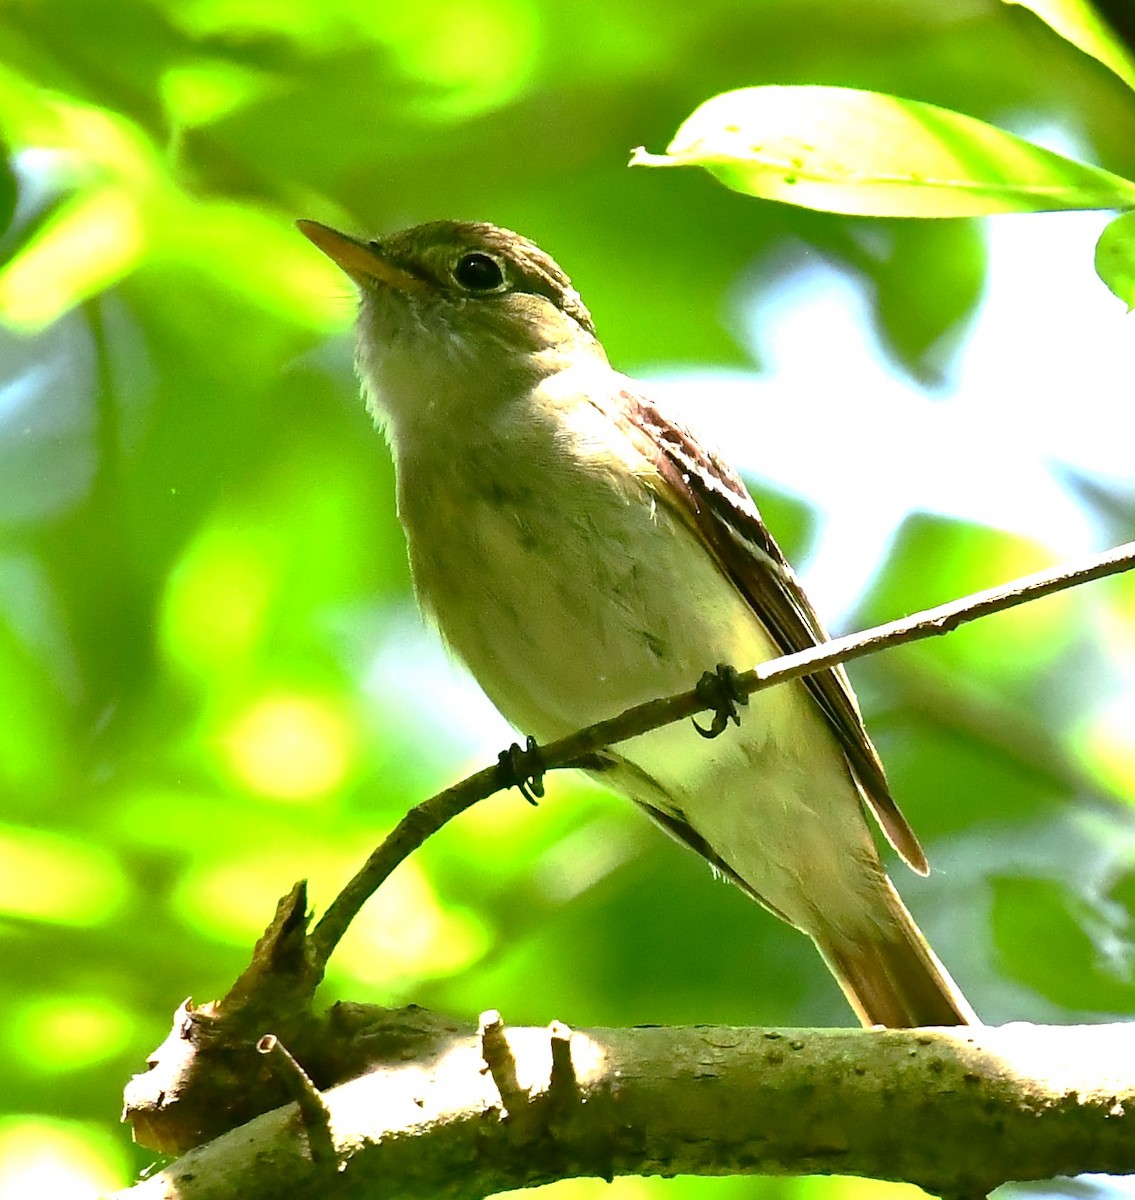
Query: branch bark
[[957, 1112]]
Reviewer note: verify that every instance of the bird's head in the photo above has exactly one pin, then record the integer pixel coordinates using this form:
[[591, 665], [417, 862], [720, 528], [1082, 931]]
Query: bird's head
[[457, 306]]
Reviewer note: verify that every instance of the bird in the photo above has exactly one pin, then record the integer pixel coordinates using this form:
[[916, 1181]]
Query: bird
[[582, 551]]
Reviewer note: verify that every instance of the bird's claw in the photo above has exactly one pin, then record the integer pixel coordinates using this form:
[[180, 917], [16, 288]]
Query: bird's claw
[[722, 693], [523, 769]]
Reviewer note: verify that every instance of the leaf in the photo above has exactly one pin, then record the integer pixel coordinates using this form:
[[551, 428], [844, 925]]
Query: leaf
[[1078, 23], [8, 190], [1056, 942], [919, 324], [1115, 258], [89, 243], [932, 557], [864, 153]]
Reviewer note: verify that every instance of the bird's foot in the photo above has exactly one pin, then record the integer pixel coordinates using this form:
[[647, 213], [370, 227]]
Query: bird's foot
[[722, 692], [523, 769]]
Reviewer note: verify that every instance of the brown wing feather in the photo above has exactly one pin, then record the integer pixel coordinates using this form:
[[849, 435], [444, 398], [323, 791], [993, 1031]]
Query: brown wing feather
[[709, 496]]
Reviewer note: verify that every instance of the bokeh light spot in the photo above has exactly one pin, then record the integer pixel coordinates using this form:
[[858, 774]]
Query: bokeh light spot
[[290, 747], [43, 1157], [67, 1033], [1105, 744], [232, 900], [407, 933], [51, 878], [217, 600]]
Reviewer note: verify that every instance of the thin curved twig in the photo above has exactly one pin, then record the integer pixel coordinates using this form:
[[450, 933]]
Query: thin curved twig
[[429, 816]]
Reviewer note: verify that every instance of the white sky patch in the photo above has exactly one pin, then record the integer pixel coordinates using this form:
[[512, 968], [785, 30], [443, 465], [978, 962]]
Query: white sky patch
[[434, 692]]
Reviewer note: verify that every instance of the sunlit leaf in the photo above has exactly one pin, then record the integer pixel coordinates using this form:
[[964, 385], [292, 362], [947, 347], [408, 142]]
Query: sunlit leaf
[[86, 246], [1115, 258], [470, 55], [306, 24], [112, 177], [848, 151], [1078, 22], [475, 54], [256, 256], [199, 93]]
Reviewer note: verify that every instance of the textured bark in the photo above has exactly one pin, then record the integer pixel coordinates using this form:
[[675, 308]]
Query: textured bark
[[955, 1111]]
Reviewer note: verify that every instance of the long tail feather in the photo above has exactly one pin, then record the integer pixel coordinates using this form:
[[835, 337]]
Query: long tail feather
[[891, 976]]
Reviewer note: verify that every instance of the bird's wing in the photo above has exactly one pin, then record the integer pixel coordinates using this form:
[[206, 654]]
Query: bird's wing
[[710, 498]]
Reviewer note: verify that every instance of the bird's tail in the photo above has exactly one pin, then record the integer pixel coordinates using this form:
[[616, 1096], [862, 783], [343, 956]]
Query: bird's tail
[[891, 976]]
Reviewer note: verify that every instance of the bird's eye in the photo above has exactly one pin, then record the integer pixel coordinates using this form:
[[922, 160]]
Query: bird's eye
[[478, 273]]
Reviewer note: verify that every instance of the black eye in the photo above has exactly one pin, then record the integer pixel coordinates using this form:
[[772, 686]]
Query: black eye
[[478, 273]]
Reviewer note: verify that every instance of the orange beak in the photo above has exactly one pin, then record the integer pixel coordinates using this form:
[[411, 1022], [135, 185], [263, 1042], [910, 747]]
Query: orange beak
[[362, 261]]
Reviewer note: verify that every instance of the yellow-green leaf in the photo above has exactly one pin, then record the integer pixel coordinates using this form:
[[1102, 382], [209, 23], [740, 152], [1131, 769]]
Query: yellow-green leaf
[[867, 154], [1115, 258], [1077, 22]]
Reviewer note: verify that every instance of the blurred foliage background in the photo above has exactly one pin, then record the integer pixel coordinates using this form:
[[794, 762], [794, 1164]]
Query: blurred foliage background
[[212, 677]]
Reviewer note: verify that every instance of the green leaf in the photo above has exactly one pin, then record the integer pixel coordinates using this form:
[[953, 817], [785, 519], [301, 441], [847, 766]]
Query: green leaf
[[934, 557], [1081, 969], [920, 325], [864, 153], [8, 190], [1115, 258], [1078, 23]]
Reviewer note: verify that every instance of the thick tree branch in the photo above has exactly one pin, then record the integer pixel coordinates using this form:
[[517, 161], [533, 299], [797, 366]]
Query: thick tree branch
[[429, 816], [925, 1106], [207, 1077]]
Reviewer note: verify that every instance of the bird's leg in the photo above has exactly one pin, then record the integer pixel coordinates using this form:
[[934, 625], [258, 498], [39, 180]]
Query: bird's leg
[[722, 693], [523, 769]]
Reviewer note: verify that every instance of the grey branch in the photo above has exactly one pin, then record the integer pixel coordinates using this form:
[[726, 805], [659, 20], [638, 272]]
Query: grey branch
[[957, 1112]]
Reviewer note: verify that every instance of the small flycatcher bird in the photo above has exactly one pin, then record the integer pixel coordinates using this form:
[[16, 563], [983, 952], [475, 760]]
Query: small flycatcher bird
[[582, 552]]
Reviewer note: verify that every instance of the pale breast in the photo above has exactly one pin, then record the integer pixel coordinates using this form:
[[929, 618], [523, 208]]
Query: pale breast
[[559, 578], [571, 591]]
